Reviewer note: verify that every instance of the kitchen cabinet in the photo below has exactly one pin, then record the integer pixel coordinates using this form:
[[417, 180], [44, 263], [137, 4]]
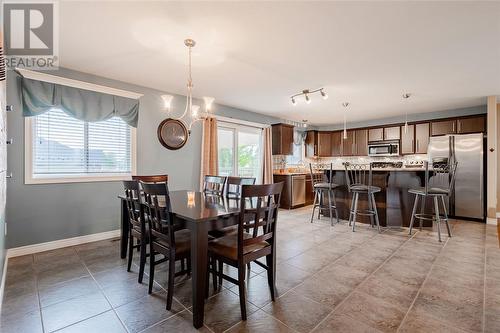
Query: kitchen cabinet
[[471, 125], [421, 138], [324, 144], [361, 142], [391, 133], [348, 148], [336, 144], [294, 190], [408, 140], [376, 134], [282, 139], [442, 127], [309, 190]]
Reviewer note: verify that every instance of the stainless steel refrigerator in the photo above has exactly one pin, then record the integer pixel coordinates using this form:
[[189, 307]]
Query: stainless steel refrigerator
[[467, 199]]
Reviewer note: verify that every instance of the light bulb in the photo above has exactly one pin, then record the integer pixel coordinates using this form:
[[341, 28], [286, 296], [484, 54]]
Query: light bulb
[[406, 127], [308, 100], [208, 103], [167, 100], [345, 133], [325, 96], [294, 102]]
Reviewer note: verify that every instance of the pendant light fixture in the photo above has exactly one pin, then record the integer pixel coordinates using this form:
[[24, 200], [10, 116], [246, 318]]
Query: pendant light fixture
[[406, 96], [191, 112], [345, 105]]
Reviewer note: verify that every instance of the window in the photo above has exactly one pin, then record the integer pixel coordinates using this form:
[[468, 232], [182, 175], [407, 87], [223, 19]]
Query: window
[[240, 152], [60, 148]]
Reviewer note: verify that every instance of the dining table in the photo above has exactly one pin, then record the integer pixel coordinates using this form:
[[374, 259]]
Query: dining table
[[199, 213]]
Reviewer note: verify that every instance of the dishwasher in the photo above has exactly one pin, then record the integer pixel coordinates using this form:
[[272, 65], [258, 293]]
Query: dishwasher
[[298, 190]]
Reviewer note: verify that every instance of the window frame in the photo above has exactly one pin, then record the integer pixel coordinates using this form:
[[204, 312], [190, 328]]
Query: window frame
[[71, 178], [243, 127]]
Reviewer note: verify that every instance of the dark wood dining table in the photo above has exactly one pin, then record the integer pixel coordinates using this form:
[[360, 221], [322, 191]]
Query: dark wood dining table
[[200, 215]]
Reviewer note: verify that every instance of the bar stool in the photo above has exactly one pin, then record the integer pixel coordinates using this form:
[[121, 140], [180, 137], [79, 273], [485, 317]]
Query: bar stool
[[359, 181], [437, 186], [324, 184]]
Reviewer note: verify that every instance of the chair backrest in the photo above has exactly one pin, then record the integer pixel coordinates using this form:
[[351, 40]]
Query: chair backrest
[[320, 175], [442, 176], [358, 174], [133, 201], [259, 214], [151, 178], [158, 208], [214, 185], [233, 185]]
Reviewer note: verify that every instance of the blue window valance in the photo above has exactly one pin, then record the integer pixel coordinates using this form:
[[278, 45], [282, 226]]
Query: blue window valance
[[39, 97]]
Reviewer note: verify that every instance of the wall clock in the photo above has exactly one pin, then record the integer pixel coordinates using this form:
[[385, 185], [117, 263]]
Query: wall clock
[[172, 134]]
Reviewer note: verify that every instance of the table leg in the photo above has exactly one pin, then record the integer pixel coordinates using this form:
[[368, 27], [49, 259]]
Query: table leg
[[199, 246], [124, 229]]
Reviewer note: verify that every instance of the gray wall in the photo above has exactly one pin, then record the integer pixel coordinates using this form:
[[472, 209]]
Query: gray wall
[[411, 117], [42, 213]]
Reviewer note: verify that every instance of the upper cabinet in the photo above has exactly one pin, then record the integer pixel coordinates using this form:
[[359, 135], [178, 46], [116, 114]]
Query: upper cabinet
[[442, 127], [361, 143], [324, 144], [475, 124], [348, 148], [376, 134], [282, 139], [408, 140], [336, 143], [391, 133], [421, 138]]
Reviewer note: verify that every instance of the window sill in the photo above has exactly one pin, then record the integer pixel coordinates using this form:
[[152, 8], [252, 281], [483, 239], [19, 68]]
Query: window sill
[[75, 179]]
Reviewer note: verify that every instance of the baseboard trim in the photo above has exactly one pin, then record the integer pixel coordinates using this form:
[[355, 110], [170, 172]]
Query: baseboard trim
[[41, 247], [491, 220]]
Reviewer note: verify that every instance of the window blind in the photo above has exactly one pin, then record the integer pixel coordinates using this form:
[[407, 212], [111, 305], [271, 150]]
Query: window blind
[[63, 145]]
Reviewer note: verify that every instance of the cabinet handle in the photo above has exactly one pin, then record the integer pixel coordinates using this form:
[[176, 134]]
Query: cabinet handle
[[459, 125]]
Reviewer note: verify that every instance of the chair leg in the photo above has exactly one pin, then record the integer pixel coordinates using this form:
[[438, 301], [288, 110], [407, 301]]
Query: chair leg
[[330, 210], [214, 274], [446, 216], [314, 204], [130, 251], [139, 243], [241, 289], [376, 211], [270, 275], [320, 202], [171, 277], [413, 212], [436, 212], [422, 212], [207, 276], [356, 197], [335, 205], [151, 270], [221, 267], [351, 209], [142, 262], [370, 209]]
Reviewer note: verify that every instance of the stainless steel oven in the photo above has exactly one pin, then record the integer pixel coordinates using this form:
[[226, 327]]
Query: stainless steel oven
[[383, 149]]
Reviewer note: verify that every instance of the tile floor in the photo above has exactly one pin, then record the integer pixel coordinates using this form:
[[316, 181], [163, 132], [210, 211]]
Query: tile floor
[[328, 279]]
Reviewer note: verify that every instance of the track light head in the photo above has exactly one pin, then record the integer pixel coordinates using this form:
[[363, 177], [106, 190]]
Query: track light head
[[294, 102], [323, 94], [308, 100]]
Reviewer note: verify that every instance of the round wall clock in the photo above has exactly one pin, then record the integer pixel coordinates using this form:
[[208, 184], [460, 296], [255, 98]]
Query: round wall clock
[[172, 134]]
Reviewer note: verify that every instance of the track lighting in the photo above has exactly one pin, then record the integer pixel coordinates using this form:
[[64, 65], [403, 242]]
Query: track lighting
[[307, 94]]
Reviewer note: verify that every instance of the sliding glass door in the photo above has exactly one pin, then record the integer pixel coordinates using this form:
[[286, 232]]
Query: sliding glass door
[[240, 151]]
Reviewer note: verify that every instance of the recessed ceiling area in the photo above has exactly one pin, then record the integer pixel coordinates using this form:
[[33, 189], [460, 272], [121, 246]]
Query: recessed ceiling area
[[255, 55]]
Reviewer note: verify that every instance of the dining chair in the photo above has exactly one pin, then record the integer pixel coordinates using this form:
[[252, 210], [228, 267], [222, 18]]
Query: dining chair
[[439, 184], [255, 238], [233, 185], [214, 185], [151, 178], [166, 238], [137, 225], [359, 179]]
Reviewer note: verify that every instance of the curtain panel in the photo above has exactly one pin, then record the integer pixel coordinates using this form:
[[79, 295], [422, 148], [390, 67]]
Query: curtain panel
[[209, 150], [267, 160], [39, 97]]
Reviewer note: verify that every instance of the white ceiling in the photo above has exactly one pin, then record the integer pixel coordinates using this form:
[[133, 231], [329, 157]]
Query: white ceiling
[[254, 55]]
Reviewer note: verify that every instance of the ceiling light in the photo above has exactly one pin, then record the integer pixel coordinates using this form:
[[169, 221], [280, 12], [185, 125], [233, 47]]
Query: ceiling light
[[406, 96], [324, 94], [306, 93], [167, 101], [308, 100], [345, 105], [294, 102]]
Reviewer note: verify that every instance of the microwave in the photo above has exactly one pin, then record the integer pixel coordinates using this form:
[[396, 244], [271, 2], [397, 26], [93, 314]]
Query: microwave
[[383, 149]]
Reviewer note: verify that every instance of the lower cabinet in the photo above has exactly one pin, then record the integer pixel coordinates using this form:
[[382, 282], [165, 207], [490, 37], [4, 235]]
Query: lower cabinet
[[309, 190]]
